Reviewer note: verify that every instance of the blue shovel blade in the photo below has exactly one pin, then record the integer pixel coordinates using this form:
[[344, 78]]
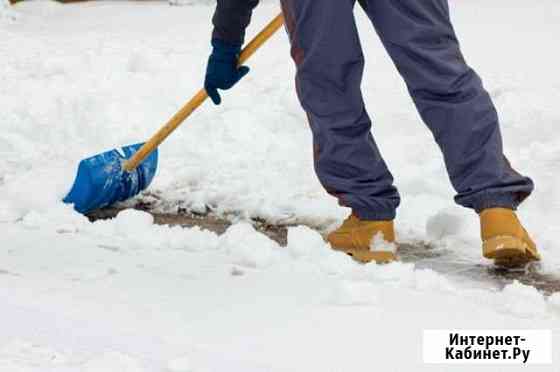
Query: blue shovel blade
[[101, 180]]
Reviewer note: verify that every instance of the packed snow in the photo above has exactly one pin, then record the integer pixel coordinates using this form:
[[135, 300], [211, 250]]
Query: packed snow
[[129, 295]]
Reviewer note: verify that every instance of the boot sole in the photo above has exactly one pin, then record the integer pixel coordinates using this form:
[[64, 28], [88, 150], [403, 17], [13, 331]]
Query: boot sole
[[365, 256], [508, 251]]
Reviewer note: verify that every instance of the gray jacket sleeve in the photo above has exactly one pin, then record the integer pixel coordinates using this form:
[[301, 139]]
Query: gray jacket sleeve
[[231, 19]]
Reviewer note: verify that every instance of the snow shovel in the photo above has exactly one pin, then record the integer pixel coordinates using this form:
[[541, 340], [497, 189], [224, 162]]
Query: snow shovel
[[120, 174]]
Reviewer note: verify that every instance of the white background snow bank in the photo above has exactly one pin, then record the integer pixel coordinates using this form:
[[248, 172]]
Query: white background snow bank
[[127, 295]]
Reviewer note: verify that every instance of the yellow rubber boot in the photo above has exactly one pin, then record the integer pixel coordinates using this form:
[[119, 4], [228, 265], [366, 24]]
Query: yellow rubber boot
[[504, 239], [359, 238]]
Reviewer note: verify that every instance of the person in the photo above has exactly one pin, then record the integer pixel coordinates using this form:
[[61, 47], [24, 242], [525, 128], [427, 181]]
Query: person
[[449, 95]]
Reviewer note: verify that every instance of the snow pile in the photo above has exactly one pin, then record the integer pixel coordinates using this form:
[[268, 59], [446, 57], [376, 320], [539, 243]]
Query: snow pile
[[247, 248], [521, 300], [238, 294], [304, 242], [130, 222], [147, 305], [135, 229]]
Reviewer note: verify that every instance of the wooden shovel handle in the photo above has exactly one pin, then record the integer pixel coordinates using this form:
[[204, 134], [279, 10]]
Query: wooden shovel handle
[[198, 99]]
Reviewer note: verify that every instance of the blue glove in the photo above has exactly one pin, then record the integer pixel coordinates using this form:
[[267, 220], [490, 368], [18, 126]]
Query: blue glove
[[222, 71]]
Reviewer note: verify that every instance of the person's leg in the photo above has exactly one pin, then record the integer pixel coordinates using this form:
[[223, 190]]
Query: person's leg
[[329, 59], [453, 103], [451, 100]]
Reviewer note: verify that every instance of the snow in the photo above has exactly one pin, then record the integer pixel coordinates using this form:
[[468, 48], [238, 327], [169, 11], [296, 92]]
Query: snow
[[378, 243], [444, 223], [130, 222], [5, 11], [247, 248], [129, 295], [112, 362], [181, 364], [304, 242]]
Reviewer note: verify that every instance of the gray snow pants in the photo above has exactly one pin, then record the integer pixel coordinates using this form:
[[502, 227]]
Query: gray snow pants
[[448, 94]]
